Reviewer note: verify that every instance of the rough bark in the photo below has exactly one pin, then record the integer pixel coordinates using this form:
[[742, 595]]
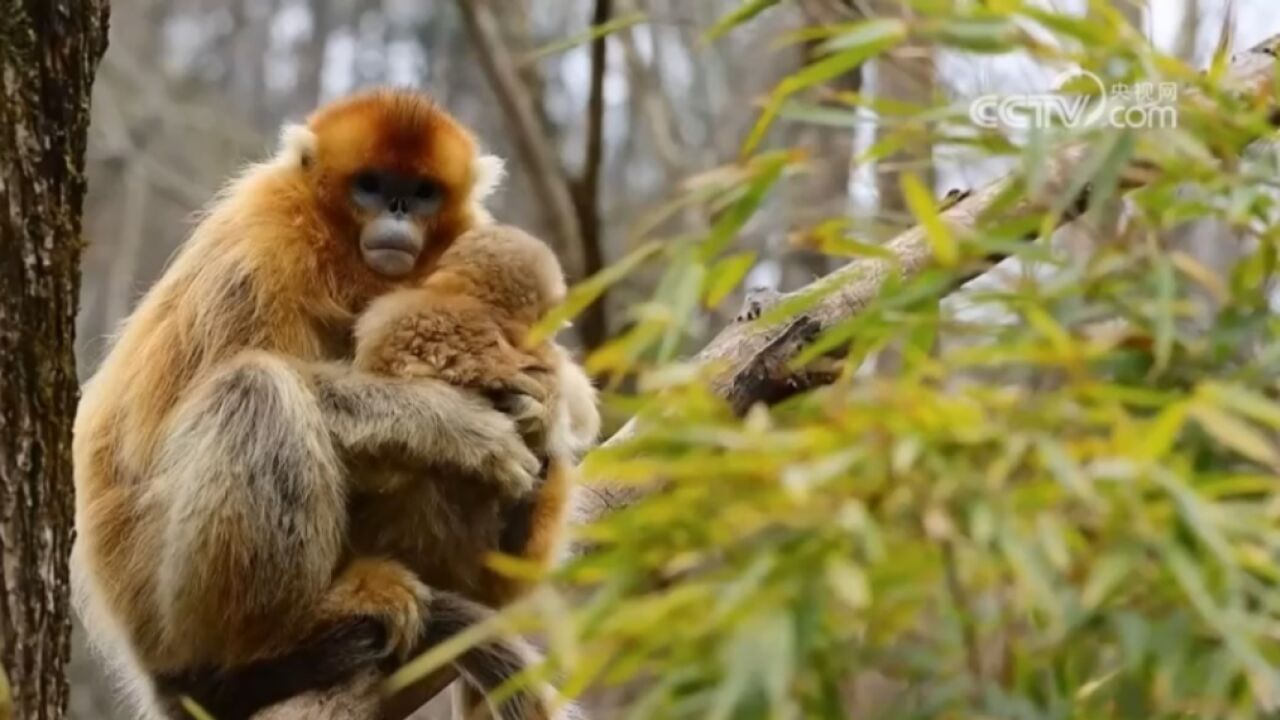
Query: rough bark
[[49, 51]]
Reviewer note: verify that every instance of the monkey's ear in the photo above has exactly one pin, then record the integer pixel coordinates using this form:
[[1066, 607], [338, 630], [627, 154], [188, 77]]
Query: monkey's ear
[[488, 170], [297, 145]]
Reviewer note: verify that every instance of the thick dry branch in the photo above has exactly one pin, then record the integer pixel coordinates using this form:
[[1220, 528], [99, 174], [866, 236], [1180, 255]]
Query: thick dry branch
[[745, 352]]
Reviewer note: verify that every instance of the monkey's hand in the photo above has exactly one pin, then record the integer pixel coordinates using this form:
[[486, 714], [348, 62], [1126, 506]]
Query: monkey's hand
[[527, 398], [529, 415], [426, 423]]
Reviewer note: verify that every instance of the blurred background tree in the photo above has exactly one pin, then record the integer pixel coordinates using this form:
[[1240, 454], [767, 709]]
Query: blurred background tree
[[1021, 508]]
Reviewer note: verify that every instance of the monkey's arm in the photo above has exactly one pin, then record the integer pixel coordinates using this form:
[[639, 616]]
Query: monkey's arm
[[423, 422]]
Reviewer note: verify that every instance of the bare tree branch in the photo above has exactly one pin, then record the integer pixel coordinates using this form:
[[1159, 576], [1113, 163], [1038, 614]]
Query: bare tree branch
[[532, 141], [593, 325]]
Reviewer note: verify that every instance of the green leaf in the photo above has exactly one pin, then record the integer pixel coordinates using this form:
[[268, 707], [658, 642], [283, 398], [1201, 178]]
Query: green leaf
[[849, 583], [588, 291], [1166, 295], [739, 15], [767, 169], [1163, 432], [1235, 434], [849, 50], [682, 303], [1266, 683], [921, 203], [594, 32], [991, 34], [724, 277], [1243, 401], [191, 706]]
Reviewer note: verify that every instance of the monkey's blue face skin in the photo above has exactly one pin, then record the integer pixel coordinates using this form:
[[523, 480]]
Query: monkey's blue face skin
[[378, 191], [399, 205]]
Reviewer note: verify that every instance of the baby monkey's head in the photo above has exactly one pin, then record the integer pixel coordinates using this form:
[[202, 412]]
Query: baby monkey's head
[[506, 267]]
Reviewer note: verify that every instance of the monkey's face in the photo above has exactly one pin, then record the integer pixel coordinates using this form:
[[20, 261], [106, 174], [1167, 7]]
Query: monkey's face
[[395, 208], [397, 174]]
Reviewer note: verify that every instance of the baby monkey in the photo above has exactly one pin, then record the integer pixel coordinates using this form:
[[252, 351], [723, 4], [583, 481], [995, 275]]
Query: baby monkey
[[468, 324]]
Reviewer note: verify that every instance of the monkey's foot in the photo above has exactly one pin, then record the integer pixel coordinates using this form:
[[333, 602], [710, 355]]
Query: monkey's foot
[[384, 590]]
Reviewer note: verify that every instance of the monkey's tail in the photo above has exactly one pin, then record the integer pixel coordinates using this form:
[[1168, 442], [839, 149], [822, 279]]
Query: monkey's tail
[[486, 667]]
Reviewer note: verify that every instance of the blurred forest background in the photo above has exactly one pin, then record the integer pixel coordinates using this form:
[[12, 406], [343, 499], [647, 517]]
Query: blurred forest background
[[192, 89]]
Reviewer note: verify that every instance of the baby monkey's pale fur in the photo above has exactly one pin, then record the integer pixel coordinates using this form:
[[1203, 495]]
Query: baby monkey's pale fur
[[469, 324]]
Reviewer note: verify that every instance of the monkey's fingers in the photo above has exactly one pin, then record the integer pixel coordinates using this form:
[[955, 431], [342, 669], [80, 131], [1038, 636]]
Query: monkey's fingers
[[516, 476], [533, 384], [506, 460], [530, 416]]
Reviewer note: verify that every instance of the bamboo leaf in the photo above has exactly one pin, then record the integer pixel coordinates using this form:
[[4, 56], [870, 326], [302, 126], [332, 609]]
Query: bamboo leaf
[[848, 51], [592, 33], [1235, 434], [589, 290], [739, 15], [724, 277], [921, 203], [193, 709]]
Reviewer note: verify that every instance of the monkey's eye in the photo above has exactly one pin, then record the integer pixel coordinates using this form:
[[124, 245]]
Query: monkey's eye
[[427, 191], [368, 182]]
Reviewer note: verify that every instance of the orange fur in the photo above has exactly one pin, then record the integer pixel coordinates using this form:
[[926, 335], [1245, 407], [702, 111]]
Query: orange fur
[[271, 268]]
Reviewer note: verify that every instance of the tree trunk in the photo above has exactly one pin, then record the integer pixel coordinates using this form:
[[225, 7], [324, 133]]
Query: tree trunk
[[49, 50]]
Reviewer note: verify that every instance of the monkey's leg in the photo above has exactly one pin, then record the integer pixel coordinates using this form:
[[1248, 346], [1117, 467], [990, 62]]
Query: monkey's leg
[[547, 517], [533, 528], [371, 616], [339, 653], [256, 510]]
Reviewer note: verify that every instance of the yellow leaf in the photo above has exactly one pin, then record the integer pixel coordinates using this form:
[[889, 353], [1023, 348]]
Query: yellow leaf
[[194, 709], [849, 582], [1235, 434], [1244, 402], [922, 205], [1162, 432]]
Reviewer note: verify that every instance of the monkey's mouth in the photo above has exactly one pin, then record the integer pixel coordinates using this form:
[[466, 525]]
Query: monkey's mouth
[[390, 261], [391, 249]]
